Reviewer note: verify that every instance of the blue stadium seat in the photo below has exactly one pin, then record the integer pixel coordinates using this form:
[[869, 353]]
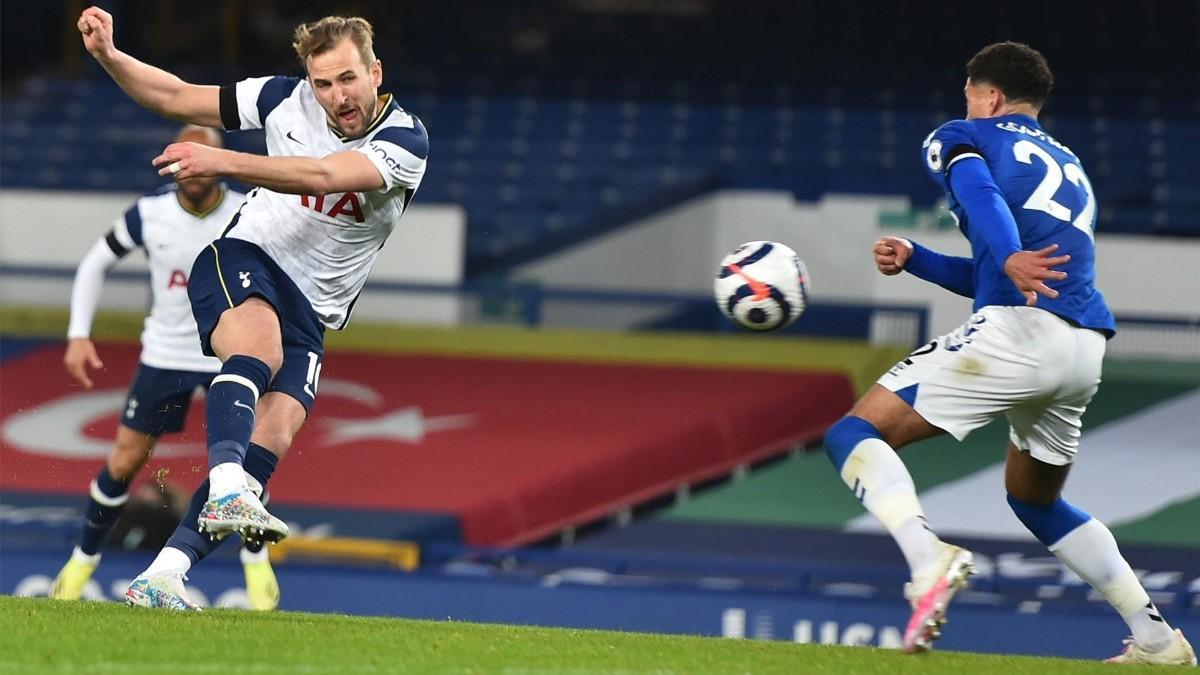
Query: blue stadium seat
[[557, 166]]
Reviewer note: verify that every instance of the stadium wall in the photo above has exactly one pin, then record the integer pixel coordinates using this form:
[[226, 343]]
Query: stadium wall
[[677, 250], [674, 251], [50, 231]]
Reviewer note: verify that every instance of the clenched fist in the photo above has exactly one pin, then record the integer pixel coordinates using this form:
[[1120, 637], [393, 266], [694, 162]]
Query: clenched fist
[[96, 25], [892, 254]]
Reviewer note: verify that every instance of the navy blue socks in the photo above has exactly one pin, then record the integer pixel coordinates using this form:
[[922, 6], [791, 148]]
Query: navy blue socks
[[108, 497]]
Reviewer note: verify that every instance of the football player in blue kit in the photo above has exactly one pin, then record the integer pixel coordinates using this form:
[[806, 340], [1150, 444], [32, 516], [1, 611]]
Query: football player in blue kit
[[1031, 351]]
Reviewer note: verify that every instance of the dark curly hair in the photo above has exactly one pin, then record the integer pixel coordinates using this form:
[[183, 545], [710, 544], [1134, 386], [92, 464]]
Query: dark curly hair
[[1016, 69]]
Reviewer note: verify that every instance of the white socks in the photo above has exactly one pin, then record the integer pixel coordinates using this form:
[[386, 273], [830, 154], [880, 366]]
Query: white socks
[[875, 474], [82, 557], [1091, 552], [225, 478], [169, 560], [920, 546]]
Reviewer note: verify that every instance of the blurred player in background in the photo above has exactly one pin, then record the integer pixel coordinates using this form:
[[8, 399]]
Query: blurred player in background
[[344, 161], [1031, 351], [172, 225]]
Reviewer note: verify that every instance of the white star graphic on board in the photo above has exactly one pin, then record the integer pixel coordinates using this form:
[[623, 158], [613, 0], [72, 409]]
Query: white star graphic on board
[[405, 424]]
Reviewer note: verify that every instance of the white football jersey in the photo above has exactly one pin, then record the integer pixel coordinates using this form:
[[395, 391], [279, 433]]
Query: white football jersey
[[326, 244], [172, 237]]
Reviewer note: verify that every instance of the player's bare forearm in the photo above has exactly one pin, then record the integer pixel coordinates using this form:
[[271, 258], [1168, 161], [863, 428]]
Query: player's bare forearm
[[291, 175], [339, 172]]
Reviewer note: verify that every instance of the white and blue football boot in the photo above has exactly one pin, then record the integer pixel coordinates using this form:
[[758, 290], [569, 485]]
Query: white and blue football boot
[[163, 591], [241, 512]]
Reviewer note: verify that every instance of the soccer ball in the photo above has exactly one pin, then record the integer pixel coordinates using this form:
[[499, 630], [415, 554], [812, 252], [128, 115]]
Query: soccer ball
[[762, 286]]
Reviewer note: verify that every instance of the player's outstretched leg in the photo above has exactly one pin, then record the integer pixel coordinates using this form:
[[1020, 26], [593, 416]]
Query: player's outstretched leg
[[229, 411], [874, 472], [187, 546], [1086, 546]]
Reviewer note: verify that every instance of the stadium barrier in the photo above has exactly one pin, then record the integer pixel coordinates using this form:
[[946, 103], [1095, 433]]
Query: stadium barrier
[[402, 555], [578, 601], [1156, 337], [531, 304]]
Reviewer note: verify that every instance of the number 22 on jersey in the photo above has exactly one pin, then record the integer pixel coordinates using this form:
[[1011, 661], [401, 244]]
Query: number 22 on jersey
[[1042, 198]]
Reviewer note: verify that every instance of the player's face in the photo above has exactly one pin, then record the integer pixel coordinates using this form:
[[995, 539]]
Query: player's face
[[346, 88], [197, 189], [983, 100]]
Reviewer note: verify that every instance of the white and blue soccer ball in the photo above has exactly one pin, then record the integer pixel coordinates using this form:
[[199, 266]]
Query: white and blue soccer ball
[[762, 286]]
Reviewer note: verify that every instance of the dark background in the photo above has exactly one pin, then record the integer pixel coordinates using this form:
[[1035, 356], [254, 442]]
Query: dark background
[[554, 121]]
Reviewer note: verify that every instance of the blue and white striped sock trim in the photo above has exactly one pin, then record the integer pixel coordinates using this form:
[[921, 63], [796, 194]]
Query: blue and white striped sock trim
[[237, 379], [104, 500]]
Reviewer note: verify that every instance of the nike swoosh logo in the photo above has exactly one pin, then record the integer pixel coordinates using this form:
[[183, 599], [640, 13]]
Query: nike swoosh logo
[[239, 404], [293, 138]]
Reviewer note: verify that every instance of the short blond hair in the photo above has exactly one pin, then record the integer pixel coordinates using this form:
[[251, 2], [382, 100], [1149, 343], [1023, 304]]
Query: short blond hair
[[318, 37]]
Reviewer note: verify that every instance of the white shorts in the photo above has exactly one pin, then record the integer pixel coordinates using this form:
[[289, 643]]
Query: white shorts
[[1027, 363]]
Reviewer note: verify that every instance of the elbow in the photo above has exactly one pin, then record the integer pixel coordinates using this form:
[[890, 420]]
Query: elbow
[[317, 187], [320, 182], [171, 106]]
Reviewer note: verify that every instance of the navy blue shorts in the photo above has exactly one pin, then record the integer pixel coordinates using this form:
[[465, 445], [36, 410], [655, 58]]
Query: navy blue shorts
[[159, 399], [225, 274]]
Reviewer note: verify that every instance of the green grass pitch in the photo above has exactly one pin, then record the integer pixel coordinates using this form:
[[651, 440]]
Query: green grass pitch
[[43, 636]]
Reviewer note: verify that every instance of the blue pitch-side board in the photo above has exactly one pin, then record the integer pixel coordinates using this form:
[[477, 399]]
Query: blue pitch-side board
[[319, 588], [653, 576]]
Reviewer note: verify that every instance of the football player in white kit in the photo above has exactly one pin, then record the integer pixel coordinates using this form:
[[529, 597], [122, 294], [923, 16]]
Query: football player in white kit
[[343, 163], [171, 224]]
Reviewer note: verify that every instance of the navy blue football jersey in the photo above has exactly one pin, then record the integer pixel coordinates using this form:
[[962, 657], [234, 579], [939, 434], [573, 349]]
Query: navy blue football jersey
[[1050, 197]]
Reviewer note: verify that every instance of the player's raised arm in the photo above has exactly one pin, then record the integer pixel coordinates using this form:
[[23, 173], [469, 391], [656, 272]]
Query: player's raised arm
[[153, 88]]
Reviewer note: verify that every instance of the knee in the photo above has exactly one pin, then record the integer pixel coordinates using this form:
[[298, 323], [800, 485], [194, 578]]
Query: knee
[[844, 436], [251, 366], [250, 329], [1030, 483], [266, 349], [273, 357], [1024, 493]]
